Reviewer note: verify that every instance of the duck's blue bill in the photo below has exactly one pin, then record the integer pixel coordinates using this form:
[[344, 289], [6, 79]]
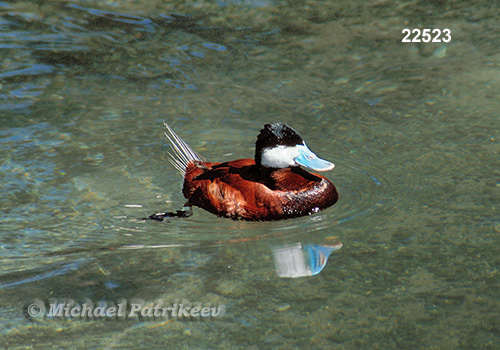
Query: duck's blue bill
[[308, 159]]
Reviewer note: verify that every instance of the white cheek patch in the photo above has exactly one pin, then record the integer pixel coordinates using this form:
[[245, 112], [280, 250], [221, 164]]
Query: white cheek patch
[[279, 157]]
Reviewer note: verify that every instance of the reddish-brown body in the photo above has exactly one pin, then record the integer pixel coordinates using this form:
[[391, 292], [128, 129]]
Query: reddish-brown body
[[241, 190]]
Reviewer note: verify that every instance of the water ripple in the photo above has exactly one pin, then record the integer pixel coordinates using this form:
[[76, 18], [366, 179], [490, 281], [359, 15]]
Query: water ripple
[[31, 69], [362, 191], [113, 17], [40, 273]]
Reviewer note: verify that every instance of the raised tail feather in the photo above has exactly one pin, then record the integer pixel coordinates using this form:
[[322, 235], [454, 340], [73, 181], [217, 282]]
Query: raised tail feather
[[183, 154]]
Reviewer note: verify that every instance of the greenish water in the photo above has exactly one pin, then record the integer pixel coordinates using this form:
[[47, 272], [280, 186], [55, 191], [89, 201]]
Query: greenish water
[[412, 128]]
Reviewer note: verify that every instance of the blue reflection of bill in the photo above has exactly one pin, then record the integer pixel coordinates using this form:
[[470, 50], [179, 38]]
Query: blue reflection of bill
[[299, 260]]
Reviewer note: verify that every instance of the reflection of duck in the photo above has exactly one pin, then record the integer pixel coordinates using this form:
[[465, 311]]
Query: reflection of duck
[[299, 260], [272, 186]]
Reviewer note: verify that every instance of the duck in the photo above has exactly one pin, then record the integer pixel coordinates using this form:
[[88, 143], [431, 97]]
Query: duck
[[274, 185]]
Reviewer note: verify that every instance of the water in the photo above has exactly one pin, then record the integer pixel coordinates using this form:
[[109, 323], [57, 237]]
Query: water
[[412, 129]]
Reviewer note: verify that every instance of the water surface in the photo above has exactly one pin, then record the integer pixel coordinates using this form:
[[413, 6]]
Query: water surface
[[412, 129]]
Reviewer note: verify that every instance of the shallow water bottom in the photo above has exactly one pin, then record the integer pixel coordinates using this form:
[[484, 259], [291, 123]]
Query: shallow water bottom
[[413, 135]]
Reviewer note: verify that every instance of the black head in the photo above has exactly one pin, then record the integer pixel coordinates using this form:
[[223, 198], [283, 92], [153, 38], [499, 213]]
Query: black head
[[275, 134]]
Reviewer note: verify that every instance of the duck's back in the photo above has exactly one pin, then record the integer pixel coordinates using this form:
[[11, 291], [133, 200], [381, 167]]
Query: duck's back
[[240, 190]]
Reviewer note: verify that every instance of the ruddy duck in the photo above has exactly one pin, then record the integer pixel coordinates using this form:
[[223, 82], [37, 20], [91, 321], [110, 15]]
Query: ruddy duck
[[272, 186]]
